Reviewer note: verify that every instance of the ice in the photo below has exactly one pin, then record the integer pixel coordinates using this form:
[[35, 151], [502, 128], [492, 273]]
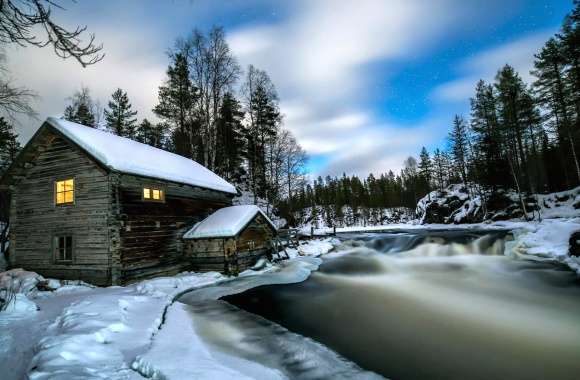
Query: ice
[[129, 156], [226, 222]]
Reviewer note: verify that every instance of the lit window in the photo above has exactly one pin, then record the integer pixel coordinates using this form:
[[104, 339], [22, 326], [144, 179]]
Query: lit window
[[153, 194], [65, 191], [63, 248]]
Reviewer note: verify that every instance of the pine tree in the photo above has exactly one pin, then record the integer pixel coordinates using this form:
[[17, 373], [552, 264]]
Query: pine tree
[[81, 109], [489, 162], [176, 99], [553, 94], [459, 149], [9, 145], [230, 148], [150, 134], [425, 170], [264, 115], [120, 117]]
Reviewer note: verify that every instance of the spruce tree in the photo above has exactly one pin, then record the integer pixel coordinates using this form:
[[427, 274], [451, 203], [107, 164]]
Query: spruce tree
[[459, 149], [176, 99], [120, 117], [81, 109], [148, 133], [9, 145], [425, 170], [230, 148], [553, 94]]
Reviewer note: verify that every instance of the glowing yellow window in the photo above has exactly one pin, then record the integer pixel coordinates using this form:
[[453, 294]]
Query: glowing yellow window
[[153, 194], [65, 191]]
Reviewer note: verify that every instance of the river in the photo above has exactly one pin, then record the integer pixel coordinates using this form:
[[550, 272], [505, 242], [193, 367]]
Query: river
[[413, 305]]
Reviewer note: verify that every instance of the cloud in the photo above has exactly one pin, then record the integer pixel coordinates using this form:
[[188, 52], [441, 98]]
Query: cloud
[[320, 58], [518, 53], [322, 55]]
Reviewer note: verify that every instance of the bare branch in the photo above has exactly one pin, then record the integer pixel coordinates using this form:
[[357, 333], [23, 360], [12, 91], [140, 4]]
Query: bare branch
[[18, 19]]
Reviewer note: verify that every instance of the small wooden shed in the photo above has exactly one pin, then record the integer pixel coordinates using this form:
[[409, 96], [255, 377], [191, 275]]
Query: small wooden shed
[[231, 239]]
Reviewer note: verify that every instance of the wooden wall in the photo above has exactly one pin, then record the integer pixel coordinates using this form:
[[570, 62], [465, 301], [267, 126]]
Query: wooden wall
[[231, 255], [35, 218], [150, 232]]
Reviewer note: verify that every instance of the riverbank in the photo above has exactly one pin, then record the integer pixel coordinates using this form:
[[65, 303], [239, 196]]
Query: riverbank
[[81, 331]]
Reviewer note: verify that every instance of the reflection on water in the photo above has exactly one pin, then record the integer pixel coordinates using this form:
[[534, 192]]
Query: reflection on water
[[445, 305]]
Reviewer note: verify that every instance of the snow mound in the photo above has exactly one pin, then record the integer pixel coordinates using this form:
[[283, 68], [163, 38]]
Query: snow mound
[[18, 304], [131, 157], [20, 281]]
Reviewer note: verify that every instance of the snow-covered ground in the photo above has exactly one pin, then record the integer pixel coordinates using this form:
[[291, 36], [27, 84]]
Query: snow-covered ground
[[80, 331]]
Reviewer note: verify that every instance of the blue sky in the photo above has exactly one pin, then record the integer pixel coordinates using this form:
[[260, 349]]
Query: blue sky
[[363, 83]]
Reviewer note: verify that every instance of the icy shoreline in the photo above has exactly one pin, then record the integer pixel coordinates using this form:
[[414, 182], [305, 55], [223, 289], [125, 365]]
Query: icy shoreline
[[77, 331]]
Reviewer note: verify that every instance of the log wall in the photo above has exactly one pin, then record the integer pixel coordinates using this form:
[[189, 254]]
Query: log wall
[[231, 255], [150, 232], [35, 219]]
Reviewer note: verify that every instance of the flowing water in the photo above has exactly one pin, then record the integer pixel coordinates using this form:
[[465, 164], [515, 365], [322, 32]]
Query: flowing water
[[423, 305]]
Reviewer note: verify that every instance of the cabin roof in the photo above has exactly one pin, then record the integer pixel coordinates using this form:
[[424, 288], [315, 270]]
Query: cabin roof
[[131, 157], [226, 222]]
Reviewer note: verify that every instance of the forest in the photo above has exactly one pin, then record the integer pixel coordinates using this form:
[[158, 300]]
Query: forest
[[518, 136]]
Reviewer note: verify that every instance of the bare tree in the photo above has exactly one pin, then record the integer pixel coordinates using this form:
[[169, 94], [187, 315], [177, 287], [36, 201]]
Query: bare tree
[[14, 100], [30, 23], [214, 71]]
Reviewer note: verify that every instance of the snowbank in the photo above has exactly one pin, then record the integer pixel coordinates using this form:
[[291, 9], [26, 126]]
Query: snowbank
[[548, 239], [20, 281], [86, 332]]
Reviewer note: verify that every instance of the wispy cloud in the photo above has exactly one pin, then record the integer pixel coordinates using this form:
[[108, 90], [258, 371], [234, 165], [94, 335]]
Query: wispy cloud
[[320, 59]]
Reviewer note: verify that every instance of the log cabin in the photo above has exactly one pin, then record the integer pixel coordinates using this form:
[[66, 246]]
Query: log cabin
[[231, 239], [89, 205]]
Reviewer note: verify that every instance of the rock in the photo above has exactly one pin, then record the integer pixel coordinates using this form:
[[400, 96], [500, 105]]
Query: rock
[[575, 244]]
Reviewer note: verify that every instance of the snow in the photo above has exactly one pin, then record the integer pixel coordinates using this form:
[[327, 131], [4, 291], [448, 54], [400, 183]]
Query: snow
[[548, 240], [131, 157], [194, 358], [20, 281], [78, 331], [226, 222]]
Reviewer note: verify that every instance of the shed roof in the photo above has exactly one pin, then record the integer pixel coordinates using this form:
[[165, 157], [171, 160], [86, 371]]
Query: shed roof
[[131, 157], [226, 222]]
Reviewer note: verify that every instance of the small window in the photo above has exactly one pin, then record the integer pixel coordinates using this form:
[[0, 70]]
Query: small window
[[63, 248], [65, 192], [153, 194]]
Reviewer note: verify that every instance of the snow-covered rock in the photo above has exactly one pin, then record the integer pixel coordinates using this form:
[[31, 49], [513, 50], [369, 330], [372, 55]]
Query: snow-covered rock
[[458, 204]]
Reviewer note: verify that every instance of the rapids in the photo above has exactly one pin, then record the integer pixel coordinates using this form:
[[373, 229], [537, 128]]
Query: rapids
[[433, 305]]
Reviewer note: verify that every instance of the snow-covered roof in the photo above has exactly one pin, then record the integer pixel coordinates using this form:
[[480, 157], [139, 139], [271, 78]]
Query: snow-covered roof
[[225, 222], [131, 157]]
